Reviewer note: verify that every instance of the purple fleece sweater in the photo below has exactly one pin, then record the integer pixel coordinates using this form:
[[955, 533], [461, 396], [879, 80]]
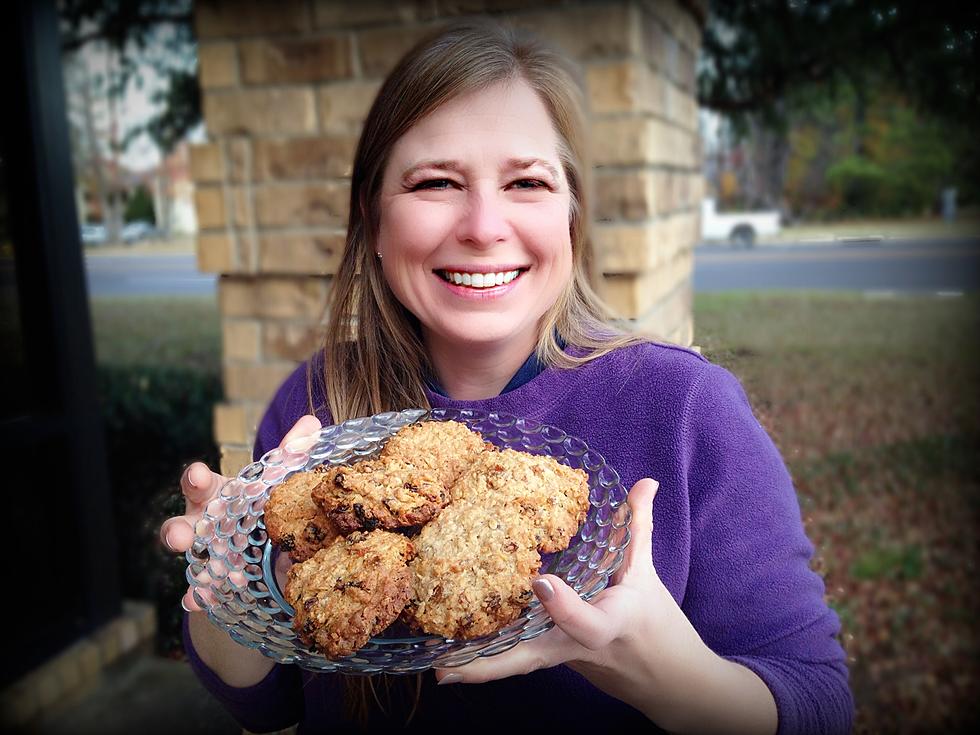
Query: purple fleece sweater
[[728, 544]]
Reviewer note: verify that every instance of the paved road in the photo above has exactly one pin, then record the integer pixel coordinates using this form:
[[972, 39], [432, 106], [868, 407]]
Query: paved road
[[903, 266], [950, 265], [147, 275]]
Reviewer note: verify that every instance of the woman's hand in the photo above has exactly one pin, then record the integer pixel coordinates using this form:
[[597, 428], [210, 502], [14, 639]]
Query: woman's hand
[[635, 643], [199, 485]]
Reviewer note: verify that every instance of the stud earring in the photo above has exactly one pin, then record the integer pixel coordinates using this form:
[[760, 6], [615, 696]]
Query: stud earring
[[378, 253]]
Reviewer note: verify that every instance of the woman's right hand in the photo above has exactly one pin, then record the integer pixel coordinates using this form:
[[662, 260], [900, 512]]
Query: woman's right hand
[[199, 485]]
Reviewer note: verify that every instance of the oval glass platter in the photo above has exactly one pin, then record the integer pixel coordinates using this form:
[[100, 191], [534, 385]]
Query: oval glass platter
[[231, 566]]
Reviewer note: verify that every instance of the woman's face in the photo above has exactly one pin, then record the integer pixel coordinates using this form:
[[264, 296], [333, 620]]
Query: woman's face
[[475, 220]]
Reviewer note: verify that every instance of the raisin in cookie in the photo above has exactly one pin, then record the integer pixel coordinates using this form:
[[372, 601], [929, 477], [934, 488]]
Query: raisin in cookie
[[383, 493], [472, 571], [447, 447], [294, 522], [350, 590], [552, 497]]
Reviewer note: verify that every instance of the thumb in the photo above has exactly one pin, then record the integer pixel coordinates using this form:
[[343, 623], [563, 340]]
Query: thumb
[[583, 622], [305, 426], [639, 553]]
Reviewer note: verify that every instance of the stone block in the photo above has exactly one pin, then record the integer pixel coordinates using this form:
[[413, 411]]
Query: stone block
[[628, 194], [273, 297], [216, 253], [296, 60], [595, 31], [209, 206], [205, 162], [254, 381], [322, 157], [671, 312], [677, 20], [234, 458], [343, 106], [381, 48], [239, 159], [345, 14], [272, 111], [639, 247], [625, 86], [223, 18], [632, 295], [306, 253], [217, 64], [240, 339], [294, 340], [230, 426], [321, 204], [636, 141]]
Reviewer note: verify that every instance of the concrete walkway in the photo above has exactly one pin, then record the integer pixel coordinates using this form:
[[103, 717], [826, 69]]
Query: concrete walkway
[[141, 694]]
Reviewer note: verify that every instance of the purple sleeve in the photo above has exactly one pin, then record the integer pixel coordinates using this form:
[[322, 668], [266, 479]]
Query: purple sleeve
[[290, 402], [275, 703], [750, 554]]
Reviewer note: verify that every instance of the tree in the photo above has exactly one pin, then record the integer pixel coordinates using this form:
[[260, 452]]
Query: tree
[[764, 63], [155, 33]]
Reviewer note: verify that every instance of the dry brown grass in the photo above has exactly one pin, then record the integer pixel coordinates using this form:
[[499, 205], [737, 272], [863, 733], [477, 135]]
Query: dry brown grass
[[874, 405]]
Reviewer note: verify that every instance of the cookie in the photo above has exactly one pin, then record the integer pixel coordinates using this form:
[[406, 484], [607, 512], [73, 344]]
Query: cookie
[[446, 447], [383, 493], [294, 522], [552, 497], [472, 571], [349, 591]]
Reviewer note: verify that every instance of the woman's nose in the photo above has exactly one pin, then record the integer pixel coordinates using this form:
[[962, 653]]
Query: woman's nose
[[483, 220]]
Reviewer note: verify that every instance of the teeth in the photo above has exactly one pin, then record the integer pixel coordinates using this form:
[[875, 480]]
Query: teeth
[[480, 280]]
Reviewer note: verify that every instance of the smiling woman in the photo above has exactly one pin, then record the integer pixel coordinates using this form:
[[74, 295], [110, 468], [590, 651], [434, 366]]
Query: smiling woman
[[494, 209], [465, 284]]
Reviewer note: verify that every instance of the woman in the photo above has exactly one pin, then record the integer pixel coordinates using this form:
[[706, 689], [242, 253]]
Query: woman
[[465, 283]]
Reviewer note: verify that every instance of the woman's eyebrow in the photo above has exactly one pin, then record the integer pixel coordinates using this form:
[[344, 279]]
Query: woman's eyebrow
[[445, 165], [525, 163], [456, 166]]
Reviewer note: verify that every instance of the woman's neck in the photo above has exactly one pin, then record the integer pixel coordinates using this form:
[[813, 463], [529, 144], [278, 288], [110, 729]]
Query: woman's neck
[[474, 372]]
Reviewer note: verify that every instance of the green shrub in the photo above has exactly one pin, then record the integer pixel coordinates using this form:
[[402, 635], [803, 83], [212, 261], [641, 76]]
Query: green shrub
[[139, 207], [157, 421]]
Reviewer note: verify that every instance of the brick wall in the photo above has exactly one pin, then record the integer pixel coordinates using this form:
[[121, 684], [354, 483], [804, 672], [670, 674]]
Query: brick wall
[[285, 88]]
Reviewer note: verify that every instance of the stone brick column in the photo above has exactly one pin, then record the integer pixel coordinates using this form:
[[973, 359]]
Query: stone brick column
[[286, 86]]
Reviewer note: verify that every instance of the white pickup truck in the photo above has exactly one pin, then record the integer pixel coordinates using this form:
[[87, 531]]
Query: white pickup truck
[[739, 228]]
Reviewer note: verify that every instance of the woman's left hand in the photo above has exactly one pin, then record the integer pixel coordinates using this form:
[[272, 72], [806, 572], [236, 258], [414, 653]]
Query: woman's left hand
[[635, 643], [612, 641]]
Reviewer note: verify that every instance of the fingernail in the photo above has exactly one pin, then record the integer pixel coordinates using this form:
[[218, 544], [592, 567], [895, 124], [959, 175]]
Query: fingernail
[[543, 589], [451, 679], [169, 541], [184, 605]]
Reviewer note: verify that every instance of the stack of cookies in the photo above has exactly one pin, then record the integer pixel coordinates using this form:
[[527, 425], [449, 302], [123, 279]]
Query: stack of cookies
[[442, 530]]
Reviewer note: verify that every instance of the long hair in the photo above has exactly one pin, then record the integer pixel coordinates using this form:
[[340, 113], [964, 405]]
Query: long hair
[[374, 358]]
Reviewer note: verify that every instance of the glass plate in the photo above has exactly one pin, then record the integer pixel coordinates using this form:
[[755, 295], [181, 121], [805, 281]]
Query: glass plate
[[231, 564]]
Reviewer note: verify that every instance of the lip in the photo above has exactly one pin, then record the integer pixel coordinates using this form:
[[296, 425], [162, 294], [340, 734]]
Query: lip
[[495, 268], [479, 294]]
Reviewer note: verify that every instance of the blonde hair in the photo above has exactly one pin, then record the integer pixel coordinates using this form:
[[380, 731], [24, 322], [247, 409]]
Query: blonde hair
[[374, 358]]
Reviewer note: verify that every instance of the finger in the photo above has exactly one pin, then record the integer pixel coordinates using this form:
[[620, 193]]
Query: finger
[[639, 553], [589, 626], [547, 650], [199, 484], [305, 426], [177, 534]]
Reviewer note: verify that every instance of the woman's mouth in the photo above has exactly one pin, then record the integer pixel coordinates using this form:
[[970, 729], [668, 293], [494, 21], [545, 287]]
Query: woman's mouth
[[479, 280]]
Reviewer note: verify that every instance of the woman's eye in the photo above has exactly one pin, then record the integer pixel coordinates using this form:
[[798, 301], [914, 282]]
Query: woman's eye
[[529, 184], [433, 184]]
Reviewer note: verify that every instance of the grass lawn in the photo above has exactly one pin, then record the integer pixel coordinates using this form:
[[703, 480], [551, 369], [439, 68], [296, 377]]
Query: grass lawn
[[875, 405]]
